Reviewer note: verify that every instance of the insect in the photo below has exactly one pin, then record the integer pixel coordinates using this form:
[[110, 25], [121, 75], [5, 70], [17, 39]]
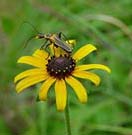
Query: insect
[[56, 40]]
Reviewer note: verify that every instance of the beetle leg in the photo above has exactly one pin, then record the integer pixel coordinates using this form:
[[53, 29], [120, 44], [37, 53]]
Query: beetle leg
[[43, 46], [60, 34], [46, 48]]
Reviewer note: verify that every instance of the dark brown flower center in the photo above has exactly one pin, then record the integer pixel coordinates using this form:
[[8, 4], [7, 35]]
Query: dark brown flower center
[[61, 67]]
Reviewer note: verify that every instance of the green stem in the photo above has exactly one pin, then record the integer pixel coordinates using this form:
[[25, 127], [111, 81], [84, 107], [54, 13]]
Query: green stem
[[67, 119], [42, 108]]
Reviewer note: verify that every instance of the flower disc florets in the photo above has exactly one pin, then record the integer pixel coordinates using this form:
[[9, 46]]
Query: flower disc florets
[[61, 67]]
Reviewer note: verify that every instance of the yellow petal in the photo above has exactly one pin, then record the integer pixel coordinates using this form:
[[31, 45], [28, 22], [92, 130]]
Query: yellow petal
[[78, 88], [32, 61], [56, 51], [30, 72], [83, 51], [71, 42], [93, 66], [41, 54], [87, 75], [29, 81], [61, 94], [45, 87]]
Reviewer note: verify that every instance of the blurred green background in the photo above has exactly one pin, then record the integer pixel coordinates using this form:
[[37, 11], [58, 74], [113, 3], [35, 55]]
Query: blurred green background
[[107, 25]]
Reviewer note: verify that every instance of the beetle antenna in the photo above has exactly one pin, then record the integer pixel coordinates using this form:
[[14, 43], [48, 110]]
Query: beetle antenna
[[26, 22], [27, 41]]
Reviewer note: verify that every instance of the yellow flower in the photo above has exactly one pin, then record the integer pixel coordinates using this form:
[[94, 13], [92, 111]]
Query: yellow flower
[[59, 70]]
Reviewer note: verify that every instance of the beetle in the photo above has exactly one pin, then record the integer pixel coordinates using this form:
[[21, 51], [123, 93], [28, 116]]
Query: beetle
[[56, 40]]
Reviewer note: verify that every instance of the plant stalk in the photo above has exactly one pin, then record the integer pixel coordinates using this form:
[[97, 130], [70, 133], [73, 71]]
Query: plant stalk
[[67, 119]]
